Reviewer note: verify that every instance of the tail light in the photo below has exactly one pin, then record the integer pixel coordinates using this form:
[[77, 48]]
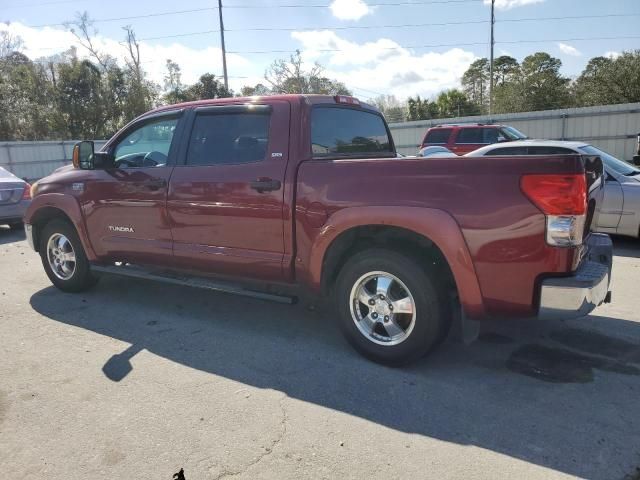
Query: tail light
[[563, 200], [26, 194]]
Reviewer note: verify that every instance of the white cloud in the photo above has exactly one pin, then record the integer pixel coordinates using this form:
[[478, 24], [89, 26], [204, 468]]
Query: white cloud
[[612, 55], [44, 42], [350, 9], [383, 66], [509, 4], [569, 50]]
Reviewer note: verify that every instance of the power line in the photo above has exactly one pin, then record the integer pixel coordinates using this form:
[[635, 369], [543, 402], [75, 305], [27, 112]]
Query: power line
[[402, 47], [337, 27]]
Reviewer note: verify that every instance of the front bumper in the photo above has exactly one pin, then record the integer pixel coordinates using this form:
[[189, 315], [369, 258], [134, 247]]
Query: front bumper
[[28, 231], [588, 287]]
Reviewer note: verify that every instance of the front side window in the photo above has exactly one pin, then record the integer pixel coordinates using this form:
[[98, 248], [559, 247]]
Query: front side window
[[611, 162], [228, 138], [147, 145], [346, 131], [470, 135], [511, 133], [438, 136]]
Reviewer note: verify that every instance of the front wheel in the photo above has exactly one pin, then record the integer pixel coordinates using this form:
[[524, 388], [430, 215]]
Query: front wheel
[[391, 310], [63, 257]]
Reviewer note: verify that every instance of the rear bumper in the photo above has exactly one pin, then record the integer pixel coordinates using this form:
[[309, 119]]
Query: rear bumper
[[13, 212], [578, 294]]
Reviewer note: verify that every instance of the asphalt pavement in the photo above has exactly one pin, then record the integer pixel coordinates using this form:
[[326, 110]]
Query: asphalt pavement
[[137, 380]]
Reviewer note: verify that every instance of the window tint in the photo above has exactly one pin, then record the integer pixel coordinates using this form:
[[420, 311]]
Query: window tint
[[619, 166], [511, 133], [470, 135], [228, 138], [508, 151], [147, 145], [438, 135], [347, 131], [550, 151], [489, 135]]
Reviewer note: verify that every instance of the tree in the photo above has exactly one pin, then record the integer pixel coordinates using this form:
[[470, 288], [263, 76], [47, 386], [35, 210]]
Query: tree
[[454, 103], [475, 82], [418, 109], [290, 76], [208, 86], [609, 81], [258, 90], [543, 88], [393, 109]]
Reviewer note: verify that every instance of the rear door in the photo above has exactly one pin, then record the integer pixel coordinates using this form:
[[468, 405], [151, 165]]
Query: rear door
[[469, 139], [225, 200], [437, 137]]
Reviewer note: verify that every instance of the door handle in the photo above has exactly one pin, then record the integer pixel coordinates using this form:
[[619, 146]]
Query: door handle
[[155, 184], [266, 185]]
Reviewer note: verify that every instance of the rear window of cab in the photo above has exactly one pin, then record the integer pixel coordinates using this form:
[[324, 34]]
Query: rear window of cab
[[337, 131]]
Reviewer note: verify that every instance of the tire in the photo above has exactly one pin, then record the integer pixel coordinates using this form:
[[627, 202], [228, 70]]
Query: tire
[[68, 276], [16, 226], [396, 338]]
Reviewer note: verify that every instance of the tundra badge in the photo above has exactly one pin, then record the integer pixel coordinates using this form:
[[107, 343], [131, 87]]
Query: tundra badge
[[116, 228]]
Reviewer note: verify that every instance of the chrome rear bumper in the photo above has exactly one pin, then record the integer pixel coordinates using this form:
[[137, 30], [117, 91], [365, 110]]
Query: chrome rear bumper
[[578, 294]]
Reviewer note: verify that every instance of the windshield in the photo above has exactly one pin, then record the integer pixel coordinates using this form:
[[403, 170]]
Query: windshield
[[611, 162], [513, 134]]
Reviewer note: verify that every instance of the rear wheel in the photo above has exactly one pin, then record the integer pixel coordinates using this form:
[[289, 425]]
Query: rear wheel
[[63, 257], [391, 310]]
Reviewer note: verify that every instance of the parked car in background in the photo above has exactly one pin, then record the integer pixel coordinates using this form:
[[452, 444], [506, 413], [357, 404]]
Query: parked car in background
[[15, 197], [620, 212], [465, 138], [436, 152]]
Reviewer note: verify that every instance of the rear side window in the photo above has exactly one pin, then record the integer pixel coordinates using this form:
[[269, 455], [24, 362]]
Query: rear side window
[[550, 151], [225, 138], [438, 136], [508, 151], [348, 131]]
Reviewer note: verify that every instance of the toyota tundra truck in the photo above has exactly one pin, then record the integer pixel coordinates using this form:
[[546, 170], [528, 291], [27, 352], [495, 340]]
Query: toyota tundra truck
[[272, 197]]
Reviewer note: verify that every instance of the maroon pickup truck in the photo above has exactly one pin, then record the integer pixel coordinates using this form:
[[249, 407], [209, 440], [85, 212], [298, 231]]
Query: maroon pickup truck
[[273, 196]]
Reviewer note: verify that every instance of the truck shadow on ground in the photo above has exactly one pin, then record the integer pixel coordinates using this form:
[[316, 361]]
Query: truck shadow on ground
[[626, 246], [553, 394], [10, 236]]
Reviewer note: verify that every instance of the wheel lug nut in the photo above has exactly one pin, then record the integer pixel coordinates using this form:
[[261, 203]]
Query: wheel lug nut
[[374, 315], [386, 318], [381, 297], [390, 307], [372, 302]]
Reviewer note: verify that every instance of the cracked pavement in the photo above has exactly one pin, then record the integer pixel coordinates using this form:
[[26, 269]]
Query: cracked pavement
[[137, 380]]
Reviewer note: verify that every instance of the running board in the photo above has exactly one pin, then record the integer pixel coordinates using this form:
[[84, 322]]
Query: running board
[[189, 281]]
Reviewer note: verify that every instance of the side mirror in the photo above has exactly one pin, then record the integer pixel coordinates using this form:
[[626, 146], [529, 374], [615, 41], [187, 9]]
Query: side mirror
[[85, 158], [82, 156]]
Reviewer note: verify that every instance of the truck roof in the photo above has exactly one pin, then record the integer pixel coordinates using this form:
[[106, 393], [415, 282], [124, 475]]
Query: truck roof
[[290, 97]]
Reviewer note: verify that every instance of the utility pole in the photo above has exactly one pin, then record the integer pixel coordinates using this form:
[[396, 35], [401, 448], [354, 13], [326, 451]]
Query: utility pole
[[224, 50], [493, 21]]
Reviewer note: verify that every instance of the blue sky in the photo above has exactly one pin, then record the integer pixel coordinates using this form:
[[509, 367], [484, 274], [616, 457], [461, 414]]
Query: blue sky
[[372, 59]]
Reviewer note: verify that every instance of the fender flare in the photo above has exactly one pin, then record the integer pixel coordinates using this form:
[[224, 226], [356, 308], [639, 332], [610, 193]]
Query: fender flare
[[435, 225], [69, 206]]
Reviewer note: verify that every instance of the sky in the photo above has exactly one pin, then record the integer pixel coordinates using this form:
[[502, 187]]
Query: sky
[[398, 47]]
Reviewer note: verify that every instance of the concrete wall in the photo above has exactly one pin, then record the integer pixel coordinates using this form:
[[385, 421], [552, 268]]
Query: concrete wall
[[613, 128], [34, 160]]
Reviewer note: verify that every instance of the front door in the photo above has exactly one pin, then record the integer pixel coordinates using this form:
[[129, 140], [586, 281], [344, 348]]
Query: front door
[[612, 205], [125, 209], [225, 200]]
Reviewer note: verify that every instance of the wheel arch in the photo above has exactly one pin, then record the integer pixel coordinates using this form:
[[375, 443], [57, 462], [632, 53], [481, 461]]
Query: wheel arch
[[430, 234], [62, 207]]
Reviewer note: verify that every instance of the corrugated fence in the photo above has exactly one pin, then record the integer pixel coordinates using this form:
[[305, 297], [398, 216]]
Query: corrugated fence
[[613, 128], [34, 160]]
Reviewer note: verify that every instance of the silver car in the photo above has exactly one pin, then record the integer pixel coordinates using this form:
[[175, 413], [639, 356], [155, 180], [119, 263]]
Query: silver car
[[620, 210], [15, 197]]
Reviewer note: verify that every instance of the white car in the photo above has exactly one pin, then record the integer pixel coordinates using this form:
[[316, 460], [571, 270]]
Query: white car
[[620, 210]]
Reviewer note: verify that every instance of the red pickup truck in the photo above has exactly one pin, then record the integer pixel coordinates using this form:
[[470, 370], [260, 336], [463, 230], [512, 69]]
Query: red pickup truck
[[272, 196]]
